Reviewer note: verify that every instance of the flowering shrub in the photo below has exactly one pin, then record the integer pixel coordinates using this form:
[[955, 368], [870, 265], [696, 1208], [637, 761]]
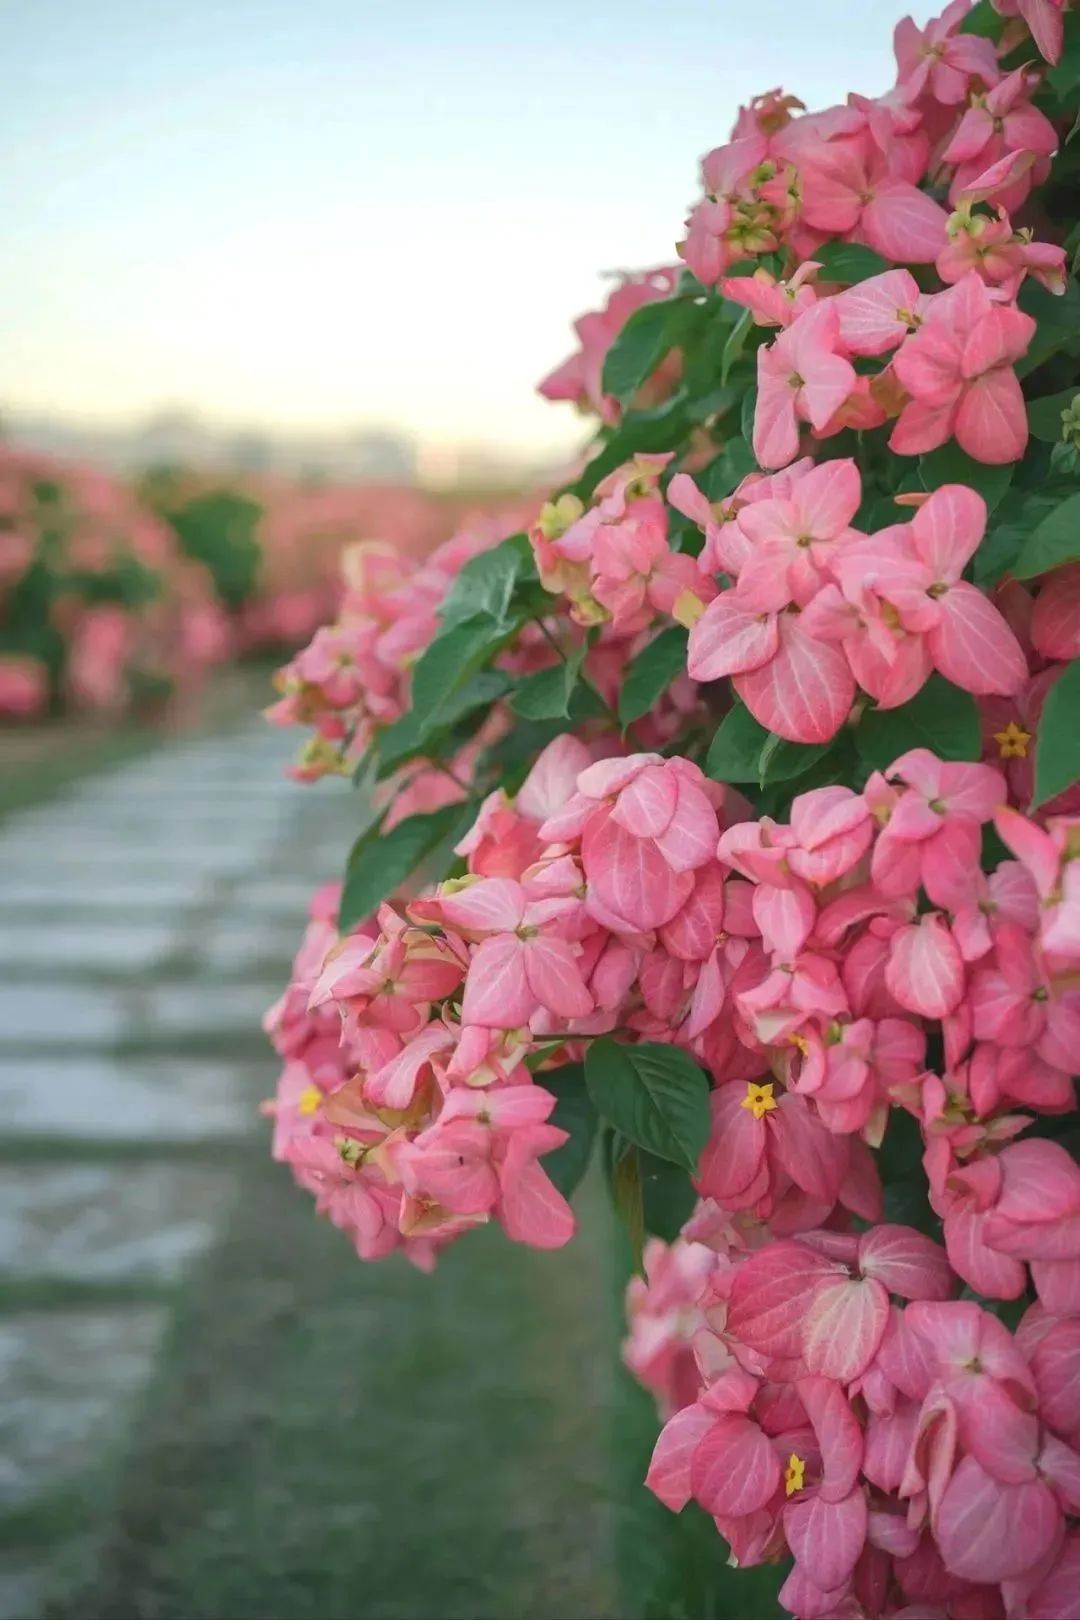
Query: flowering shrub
[[99, 610], [729, 818], [273, 546]]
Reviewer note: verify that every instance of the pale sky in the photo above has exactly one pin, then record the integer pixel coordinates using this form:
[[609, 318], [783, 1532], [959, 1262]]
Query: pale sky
[[340, 212]]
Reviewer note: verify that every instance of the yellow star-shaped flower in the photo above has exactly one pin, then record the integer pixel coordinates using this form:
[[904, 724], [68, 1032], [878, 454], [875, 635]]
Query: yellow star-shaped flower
[[795, 1476], [1013, 741], [759, 1099]]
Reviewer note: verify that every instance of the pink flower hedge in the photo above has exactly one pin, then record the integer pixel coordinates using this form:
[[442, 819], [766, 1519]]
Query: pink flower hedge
[[726, 821]]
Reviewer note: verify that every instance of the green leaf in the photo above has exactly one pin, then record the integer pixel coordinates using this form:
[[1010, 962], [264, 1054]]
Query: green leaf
[[1066, 75], [940, 717], [746, 420], [452, 659], [575, 1113], [727, 469], [380, 864], [1058, 321], [413, 734], [625, 1176], [1045, 415], [637, 351], [1054, 541], [486, 583], [654, 1094], [651, 672], [1057, 750], [849, 261], [667, 1196], [735, 751], [663, 428], [951, 465], [983, 20], [546, 694], [780, 760], [733, 348]]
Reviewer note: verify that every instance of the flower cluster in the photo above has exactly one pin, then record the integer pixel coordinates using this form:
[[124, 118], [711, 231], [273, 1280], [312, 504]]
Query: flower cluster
[[99, 609], [772, 879]]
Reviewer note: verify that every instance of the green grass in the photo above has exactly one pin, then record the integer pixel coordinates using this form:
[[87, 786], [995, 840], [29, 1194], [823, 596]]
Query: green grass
[[329, 1439]]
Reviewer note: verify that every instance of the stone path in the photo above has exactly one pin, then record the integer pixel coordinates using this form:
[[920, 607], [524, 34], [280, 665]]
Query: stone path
[[148, 918]]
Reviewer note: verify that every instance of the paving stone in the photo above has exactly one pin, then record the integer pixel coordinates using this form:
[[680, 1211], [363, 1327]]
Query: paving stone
[[65, 1376], [92, 893], [84, 946], [124, 1099], [260, 948], [108, 1222], [59, 1015], [205, 1009], [284, 897]]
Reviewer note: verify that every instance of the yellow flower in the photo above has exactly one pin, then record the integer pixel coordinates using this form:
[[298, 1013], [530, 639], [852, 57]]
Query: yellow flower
[[1013, 741], [795, 1476], [759, 1099]]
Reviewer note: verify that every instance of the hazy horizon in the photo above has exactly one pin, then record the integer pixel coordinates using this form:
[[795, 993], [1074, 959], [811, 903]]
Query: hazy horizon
[[352, 216]]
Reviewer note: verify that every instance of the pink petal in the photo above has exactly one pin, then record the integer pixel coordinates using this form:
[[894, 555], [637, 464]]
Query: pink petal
[[735, 1469], [904, 224], [554, 976], [1001, 337], [925, 971], [991, 1532], [776, 429], [497, 992], [786, 918], [973, 646], [826, 388], [669, 1471], [689, 840], [730, 638], [991, 421], [646, 805], [736, 1147], [947, 528], [838, 1434], [846, 1323], [906, 1262], [869, 323], [805, 692], [533, 1211], [630, 876], [771, 1293], [827, 1537], [827, 499], [493, 905]]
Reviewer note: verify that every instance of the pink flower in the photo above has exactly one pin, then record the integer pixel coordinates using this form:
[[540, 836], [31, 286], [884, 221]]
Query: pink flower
[[525, 960], [1000, 255], [1045, 20], [851, 189], [24, 686], [879, 313], [1055, 621], [932, 835], [998, 123], [1052, 856], [958, 370], [802, 377], [919, 573], [646, 824], [793, 540], [940, 62]]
